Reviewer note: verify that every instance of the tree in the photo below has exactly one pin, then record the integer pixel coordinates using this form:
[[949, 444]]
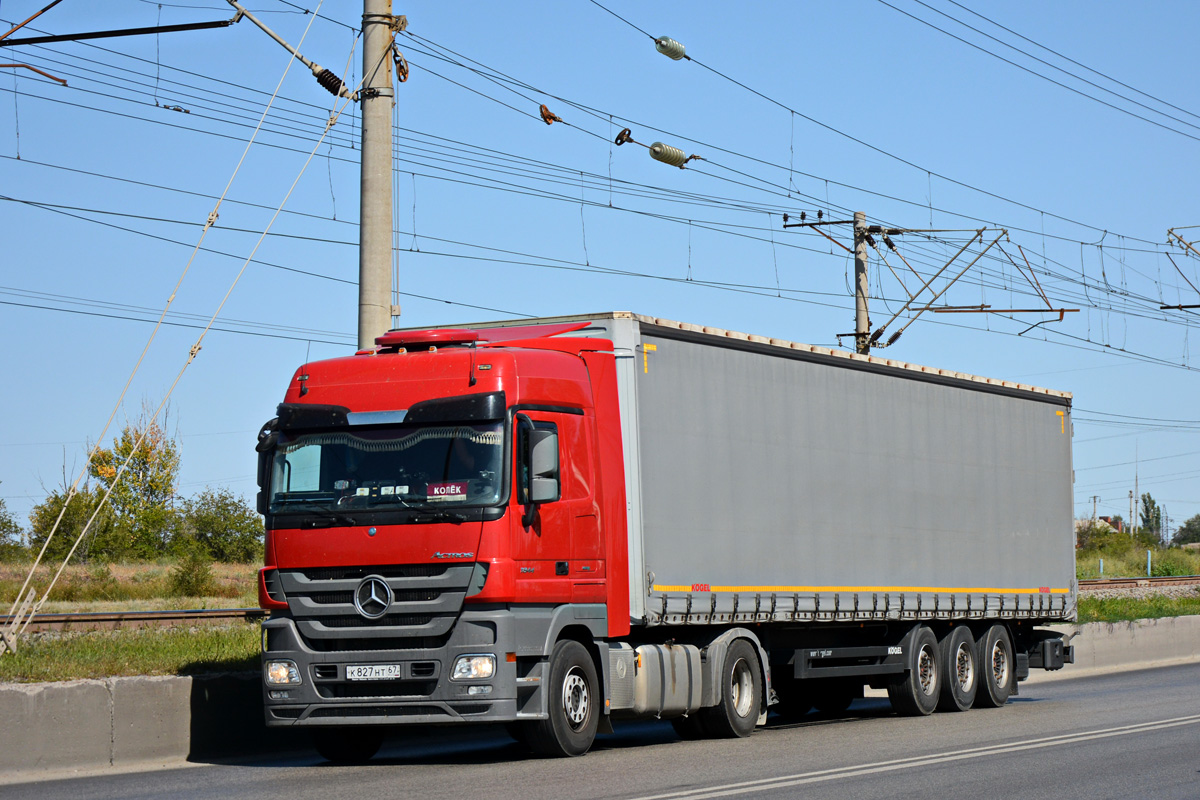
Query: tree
[[1188, 532], [11, 535], [1151, 515], [143, 500], [222, 524], [102, 539]]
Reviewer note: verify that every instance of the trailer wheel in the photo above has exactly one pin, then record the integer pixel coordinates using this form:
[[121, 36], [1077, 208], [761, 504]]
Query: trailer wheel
[[960, 669], [741, 694], [347, 745], [914, 693], [570, 728], [996, 667]]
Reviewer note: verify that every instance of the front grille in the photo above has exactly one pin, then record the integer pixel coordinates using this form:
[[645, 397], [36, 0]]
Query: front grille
[[287, 713], [382, 643], [325, 671], [427, 599], [386, 620], [346, 598], [391, 571], [378, 689]]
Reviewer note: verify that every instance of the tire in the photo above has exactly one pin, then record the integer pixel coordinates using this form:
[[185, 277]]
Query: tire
[[741, 694], [960, 669], [347, 745], [573, 704], [914, 693], [690, 728], [834, 697], [996, 668]]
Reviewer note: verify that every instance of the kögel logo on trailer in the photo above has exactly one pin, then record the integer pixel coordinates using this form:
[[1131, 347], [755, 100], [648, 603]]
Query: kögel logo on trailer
[[373, 597]]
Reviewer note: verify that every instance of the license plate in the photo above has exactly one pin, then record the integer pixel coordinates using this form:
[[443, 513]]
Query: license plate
[[372, 672]]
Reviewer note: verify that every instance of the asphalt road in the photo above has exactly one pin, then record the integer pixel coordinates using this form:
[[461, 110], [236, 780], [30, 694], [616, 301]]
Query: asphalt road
[[1134, 734]]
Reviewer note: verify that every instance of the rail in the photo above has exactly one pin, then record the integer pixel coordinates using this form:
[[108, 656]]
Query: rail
[[1134, 583], [111, 620]]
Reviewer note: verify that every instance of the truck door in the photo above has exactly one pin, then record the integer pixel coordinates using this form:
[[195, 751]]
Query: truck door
[[560, 555]]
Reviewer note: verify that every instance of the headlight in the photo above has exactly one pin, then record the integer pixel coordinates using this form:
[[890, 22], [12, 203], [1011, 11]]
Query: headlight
[[472, 668], [282, 673]]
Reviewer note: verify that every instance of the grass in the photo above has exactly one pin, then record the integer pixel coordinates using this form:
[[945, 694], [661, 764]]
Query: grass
[[105, 654], [1122, 609], [1131, 563], [124, 586]]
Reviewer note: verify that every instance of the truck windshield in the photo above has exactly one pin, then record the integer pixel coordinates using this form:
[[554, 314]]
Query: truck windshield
[[417, 465]]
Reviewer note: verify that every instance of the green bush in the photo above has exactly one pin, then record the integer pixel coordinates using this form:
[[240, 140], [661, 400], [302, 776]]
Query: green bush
[[193, 575], [1171, 562]]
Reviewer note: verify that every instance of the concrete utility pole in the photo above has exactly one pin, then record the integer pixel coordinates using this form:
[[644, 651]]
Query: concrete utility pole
[[375, 215], [862, 321]]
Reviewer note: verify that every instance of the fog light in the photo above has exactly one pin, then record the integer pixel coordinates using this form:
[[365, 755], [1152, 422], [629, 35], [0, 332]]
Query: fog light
[[472, 668], [282, 673], [479, 690], [277, 694]]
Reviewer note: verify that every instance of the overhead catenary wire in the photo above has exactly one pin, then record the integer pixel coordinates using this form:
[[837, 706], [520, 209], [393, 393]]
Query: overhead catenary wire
[[18, 625]]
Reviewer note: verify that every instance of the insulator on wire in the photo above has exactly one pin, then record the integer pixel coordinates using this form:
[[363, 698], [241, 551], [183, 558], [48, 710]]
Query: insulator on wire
[[669, 48], [667, 154], [331, 82]]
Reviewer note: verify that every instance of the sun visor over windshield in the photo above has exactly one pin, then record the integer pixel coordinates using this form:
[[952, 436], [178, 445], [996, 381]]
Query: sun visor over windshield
[[464, 408], [296, 416]]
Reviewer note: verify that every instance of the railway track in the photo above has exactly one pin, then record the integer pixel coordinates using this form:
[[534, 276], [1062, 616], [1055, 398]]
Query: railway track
[[111, 620], [1133, 583]]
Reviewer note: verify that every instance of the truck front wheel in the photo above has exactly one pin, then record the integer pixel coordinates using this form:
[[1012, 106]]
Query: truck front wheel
[[914, 692], [996, 668], [570, 728], [741, 694]]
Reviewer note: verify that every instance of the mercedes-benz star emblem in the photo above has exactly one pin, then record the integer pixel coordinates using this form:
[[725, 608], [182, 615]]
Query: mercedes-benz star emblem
[[373, 597]]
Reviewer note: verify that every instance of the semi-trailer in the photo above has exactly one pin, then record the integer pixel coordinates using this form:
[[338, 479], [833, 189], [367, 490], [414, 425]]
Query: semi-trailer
[[560, 522]]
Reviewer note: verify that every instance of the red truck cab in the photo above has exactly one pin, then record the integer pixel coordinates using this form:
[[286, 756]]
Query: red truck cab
[[440, 511]]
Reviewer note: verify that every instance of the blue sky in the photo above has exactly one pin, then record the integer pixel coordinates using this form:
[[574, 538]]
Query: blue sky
[[868, 109]]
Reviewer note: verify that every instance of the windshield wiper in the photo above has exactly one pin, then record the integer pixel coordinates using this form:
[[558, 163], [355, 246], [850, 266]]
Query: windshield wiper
[[336, 516], [438, 516]]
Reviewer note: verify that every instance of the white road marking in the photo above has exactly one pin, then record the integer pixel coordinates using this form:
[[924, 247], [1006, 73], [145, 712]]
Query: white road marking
[[818, 776]]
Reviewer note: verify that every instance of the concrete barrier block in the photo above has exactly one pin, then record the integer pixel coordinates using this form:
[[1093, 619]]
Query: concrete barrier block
[[51, 725], [150, 718]]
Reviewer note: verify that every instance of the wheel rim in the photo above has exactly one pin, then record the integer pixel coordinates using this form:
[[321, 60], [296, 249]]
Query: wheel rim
[[575, 700], [964, 667], [927, 670], [741, 687], [999, 664]]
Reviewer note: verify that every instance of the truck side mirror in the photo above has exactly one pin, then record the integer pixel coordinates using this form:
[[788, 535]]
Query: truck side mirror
[[268, 436], [537, 467], [543, 466]]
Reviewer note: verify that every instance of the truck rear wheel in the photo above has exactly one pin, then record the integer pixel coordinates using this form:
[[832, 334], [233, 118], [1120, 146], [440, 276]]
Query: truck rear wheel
[[347, 745], [741, 694], [996, 668], [914, 693], [960, 669], [570, 728]]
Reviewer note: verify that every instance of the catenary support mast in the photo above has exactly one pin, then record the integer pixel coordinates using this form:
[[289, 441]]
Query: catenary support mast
[[375, 227]]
